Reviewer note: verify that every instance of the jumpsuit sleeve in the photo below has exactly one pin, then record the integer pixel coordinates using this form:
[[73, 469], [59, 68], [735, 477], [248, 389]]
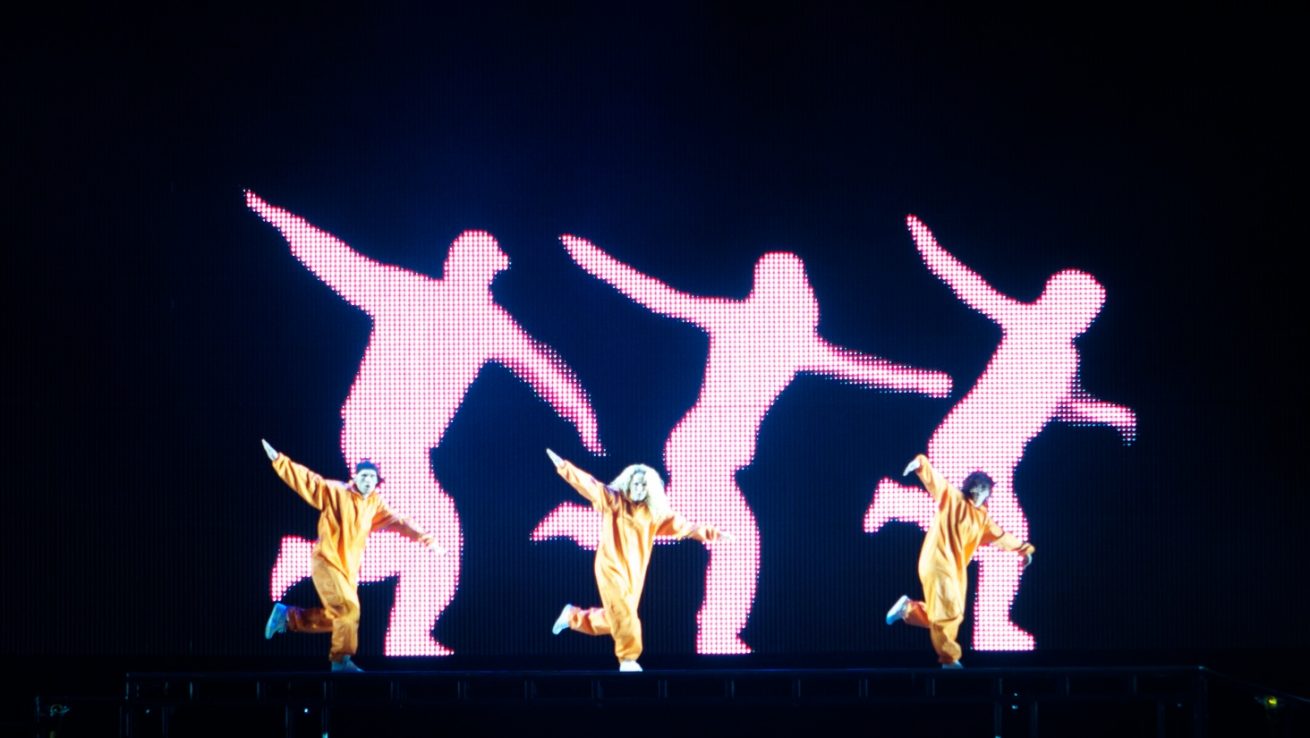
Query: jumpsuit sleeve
[[386, 519], [679, 527], [933, 481], [586, 485], [995, 536], [310, 486]]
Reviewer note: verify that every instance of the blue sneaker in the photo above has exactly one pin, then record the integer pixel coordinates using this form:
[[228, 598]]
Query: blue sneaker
[[898, 610], [562, 622], [345, 664], [953, 665], [277, 620]]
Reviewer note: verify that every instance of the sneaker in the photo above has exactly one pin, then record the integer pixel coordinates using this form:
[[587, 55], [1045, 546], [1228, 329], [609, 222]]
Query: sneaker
[[345, 664], [898, 610], [629, 665], [562, 622], [277, 621], [953, 665]]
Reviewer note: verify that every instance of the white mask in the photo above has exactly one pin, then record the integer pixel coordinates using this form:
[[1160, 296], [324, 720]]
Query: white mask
[[637, 487], [366, 480]]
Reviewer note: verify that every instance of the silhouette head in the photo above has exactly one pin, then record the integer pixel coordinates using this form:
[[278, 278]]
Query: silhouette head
[[780, 280], [1075, 295], [474, 258]]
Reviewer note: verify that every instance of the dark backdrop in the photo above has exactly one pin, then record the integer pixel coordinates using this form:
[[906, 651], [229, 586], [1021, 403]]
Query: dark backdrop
[[158, 329]]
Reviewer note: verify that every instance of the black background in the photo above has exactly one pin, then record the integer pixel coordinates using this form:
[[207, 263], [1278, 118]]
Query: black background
[[158, 329]]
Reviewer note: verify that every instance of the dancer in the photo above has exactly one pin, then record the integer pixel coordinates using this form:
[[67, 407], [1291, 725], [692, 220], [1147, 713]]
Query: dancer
[[757, 347], [347, 513], [959, 527], [633, 511], [429, 341], [1031, 379]]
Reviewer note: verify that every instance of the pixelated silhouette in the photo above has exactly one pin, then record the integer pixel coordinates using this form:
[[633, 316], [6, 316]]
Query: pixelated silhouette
[[757, 346], [1031, 379], [430, 339]]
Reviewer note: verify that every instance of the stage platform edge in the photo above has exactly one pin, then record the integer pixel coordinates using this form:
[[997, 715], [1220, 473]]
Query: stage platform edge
[[1026, 702]]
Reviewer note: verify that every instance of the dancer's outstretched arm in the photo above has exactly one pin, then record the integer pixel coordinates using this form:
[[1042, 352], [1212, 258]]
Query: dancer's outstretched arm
[[853, 366], [933, 481], [544, 370], [996, 536], [970, 288], [677, 526], [359, 280], [642, 289], [311, 487], [385, 519], [585, 484]]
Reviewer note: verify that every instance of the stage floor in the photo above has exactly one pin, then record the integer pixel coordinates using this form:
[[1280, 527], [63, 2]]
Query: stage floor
[[1187, 700]]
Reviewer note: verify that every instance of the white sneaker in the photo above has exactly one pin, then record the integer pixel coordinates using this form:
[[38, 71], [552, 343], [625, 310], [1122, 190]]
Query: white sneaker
[[562, 622], [629, 665], [898, 610], [277, 620]]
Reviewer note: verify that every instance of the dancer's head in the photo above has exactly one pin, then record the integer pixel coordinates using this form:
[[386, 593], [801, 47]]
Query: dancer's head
[[475, 259], [977, 488], [640, 484], [366, 477]]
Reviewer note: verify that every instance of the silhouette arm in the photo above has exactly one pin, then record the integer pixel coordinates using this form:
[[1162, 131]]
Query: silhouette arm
[[1083, 409], [552, 379], [970, 288], [647, 291], [872, 371], [358, 279]]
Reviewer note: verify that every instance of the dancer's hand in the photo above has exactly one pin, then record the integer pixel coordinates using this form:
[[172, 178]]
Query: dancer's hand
[[427, 540], [555, 458], [268, 449], [713, 534], [913, 466]]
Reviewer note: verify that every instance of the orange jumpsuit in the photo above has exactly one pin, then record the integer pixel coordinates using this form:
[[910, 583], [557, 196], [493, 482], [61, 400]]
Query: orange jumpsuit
[[627, 535], [956, 532], [345, 521]]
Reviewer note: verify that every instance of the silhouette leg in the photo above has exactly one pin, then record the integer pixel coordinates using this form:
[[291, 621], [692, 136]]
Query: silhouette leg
[[292, 565], [999, 573]]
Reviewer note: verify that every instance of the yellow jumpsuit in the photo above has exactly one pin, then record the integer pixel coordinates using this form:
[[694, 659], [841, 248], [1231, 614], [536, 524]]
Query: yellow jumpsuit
[[344, 523], [627, 535], [956, 532]]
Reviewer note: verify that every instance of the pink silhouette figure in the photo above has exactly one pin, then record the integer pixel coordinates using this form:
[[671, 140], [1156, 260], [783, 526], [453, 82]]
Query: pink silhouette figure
[[1031, 379], [757, 346], [430, 339]]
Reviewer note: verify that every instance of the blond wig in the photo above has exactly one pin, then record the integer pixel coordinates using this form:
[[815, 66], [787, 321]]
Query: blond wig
[[656, 500]]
